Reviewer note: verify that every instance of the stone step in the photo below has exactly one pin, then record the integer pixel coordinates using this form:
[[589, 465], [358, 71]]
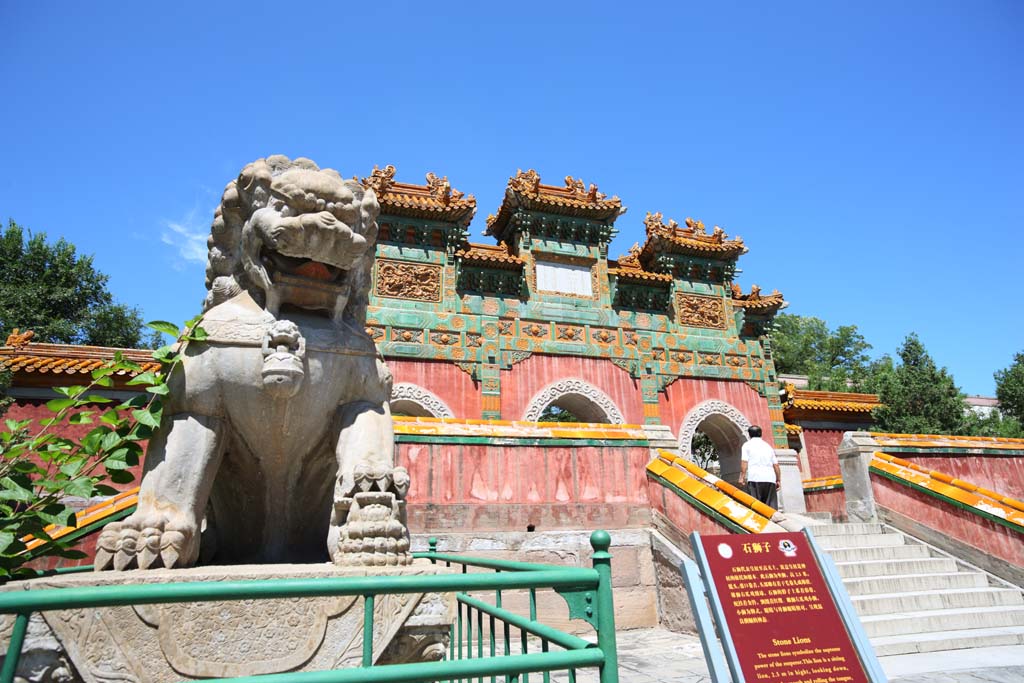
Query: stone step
[[875, 585], [948, 640], [919, 601], [963, 619], [846, 529], [885, 552], [818, 516], [914, 565], [860, 541]]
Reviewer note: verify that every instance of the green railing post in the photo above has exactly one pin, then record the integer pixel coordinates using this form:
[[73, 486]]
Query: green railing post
[[600, 541], [368, 601], [432, 544], [14, 649]]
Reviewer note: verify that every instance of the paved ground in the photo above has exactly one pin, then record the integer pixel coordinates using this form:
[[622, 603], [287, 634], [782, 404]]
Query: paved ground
[[660, 656]]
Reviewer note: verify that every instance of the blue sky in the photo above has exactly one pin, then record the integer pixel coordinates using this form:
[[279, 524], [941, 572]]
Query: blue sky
[[870, 154]]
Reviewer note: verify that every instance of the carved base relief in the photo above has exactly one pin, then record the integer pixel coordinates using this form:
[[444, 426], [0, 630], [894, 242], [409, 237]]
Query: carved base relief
[[156, 643]]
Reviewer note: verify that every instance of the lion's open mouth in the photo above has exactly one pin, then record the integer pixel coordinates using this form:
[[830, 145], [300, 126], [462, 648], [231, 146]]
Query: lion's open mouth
[[276, 262]]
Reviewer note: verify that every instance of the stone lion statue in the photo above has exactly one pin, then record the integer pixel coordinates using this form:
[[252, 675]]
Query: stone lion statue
[[276, 443]]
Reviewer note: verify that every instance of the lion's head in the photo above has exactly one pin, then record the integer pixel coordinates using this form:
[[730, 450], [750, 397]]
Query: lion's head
[[288, 232]]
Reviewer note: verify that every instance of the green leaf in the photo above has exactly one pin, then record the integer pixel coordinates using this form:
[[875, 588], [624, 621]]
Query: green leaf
[[81, 487], [159, 389], [16, 425], [165, 327], [165, 354], [59, 515], [110, 441], [73, 467], [104, 490], [112, 463], [10, 490], [198, 334], [6, 539], [81, 418], [27, 467], [147, 418], [58, 404], [105, 371], [105, 381], [144, 378], [96, 398], [110, 417]]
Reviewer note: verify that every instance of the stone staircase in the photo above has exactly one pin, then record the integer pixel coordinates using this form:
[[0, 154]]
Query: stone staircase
[[913, 598]]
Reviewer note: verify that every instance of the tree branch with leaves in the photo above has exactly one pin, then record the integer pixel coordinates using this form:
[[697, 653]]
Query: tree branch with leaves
[[40, 469]]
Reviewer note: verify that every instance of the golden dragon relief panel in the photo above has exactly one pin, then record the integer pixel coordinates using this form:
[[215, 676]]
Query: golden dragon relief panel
[[404, 280], [695, 310]]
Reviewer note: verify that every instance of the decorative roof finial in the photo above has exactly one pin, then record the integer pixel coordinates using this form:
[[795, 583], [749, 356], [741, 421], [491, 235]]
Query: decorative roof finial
[[380, 179], [18, 339]]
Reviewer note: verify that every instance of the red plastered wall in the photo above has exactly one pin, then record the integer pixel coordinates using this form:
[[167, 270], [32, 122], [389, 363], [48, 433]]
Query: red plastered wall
[[963, 525], [488, 487], [822, 447], [832, 501], [445, 380], [683, 516], [529, 377], [683, 395], [1003, 474]]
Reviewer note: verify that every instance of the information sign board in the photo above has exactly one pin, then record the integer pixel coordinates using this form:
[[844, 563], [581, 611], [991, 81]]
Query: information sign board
[[782, 622]]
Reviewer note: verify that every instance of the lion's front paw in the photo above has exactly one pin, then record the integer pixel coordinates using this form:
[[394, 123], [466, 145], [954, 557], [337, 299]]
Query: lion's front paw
[[129, 544], [395, 480]]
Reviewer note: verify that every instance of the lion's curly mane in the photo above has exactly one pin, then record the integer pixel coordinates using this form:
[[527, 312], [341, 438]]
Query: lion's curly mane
[[226, 275]]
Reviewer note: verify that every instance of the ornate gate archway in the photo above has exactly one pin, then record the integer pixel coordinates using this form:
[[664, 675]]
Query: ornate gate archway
[[725, 426], [580, 398], [413, 400]]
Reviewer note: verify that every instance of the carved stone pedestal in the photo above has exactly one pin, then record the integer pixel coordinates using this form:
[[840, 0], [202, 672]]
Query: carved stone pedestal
[[182, 641]]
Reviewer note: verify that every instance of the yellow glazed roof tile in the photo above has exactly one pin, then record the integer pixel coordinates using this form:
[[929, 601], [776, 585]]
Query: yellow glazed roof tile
[[897, 441]]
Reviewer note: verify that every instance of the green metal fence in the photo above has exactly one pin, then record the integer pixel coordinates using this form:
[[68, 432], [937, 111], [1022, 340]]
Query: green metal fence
[[587, 591]]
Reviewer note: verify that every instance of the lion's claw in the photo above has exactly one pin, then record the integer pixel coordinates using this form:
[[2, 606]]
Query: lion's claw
[[123, 546]]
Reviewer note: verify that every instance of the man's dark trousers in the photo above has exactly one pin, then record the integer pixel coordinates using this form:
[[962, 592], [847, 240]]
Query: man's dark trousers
[[764, 491]]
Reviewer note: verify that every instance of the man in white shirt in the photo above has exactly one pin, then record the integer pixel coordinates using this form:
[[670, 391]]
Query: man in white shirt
[[759, 469]]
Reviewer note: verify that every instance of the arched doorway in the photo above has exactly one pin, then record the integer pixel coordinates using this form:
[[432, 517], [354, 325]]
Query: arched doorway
[[415, 401], [724, 428], [585, 401]]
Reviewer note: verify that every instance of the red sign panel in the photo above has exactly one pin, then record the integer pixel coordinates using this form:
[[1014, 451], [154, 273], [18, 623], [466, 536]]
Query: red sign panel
[[782, 619]]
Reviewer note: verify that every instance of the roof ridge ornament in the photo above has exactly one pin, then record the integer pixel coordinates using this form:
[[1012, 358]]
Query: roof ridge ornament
[[380, 179], [441, 189], [694, 230], [525, 182], [17, 339], [631, 260]]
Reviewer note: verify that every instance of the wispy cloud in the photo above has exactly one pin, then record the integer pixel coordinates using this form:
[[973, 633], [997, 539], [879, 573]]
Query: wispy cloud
[[188, 237]]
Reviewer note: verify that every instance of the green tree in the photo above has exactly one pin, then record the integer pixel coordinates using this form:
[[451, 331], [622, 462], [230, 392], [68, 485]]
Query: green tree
[[1010, 388], [833, 360], [57, 293], [703, 450], [917, 396], [553, 413], [994, 424]]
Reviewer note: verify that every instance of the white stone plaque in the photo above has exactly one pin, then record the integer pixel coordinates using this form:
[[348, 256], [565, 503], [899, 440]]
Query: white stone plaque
[[564, 279]]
